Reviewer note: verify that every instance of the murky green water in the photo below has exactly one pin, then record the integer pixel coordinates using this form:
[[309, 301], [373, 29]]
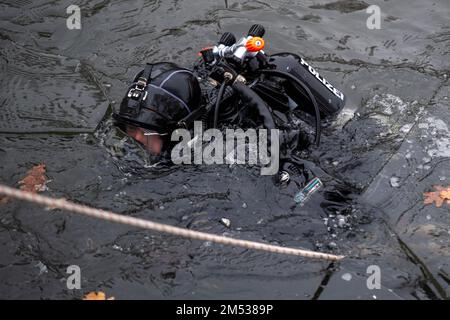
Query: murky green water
[[57, 84]]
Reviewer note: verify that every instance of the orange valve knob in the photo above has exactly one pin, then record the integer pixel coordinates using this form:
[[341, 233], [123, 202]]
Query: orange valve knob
[[255, 44]]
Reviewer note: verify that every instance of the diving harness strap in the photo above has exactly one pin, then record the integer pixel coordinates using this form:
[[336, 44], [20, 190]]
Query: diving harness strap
[[138, 93]]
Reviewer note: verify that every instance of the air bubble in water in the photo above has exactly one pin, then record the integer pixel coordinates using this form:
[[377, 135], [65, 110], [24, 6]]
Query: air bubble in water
[[346, 277], [395, 182]]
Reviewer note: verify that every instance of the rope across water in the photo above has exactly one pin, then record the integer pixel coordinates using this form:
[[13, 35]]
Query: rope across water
[[146, 224]]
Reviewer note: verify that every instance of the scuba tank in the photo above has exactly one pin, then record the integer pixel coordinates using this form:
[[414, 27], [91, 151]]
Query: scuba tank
[[284, 81], [329, 98], [247, 58]]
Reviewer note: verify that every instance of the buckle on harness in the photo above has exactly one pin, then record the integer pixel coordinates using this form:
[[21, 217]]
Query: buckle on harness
[[141, 83], [136, 92]]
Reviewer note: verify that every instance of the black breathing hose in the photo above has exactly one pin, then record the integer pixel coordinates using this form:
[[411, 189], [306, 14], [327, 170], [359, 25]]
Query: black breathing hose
[[251, 98], [219, 99], [289, 76]]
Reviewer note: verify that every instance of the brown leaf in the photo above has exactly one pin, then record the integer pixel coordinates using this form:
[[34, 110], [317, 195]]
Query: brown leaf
[[97, 296], [435, 196], [35, 180], [445, 194]]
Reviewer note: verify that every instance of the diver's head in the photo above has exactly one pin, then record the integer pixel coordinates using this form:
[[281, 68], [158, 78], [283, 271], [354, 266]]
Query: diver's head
[[152, 141], [159, 98]]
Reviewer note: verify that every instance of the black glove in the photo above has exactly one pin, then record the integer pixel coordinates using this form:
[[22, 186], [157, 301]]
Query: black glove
[[291, 172]]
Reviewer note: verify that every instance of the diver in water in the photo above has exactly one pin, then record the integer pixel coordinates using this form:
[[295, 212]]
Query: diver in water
[[233, 83], [161, 95]]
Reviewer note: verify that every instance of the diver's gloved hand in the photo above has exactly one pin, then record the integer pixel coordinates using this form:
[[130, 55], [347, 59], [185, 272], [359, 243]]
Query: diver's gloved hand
[[291, 173], [290, 170]]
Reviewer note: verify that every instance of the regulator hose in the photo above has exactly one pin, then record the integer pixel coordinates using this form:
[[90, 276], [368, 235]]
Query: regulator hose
[[252, 99], [219, 99], [289, 76]]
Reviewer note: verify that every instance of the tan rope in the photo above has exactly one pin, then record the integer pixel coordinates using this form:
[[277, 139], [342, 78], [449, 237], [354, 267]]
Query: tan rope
[[110, 216]]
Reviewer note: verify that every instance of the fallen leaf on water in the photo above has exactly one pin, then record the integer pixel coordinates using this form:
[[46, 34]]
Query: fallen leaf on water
[[35, 180], [439, 196], [445, 194], [97, 296]]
